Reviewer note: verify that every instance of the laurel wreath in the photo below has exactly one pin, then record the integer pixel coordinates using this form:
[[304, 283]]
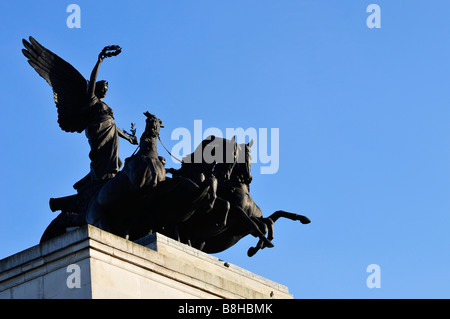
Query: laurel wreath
[[111, 50]]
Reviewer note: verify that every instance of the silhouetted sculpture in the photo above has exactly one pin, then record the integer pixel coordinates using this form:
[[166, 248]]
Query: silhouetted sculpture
[[206, 203]]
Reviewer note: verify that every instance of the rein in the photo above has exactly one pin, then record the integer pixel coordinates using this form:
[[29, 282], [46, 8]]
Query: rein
[[168, 150]]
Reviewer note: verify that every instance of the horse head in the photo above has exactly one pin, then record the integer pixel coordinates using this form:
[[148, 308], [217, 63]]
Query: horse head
[[242, 168], [148, 141], [152, 125]]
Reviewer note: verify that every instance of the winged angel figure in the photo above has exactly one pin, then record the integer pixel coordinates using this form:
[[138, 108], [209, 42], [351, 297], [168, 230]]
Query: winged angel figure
[[81, 108]]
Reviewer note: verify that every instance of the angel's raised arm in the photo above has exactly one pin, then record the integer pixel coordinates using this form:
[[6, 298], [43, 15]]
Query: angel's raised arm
[[108, 51], [93, 79]]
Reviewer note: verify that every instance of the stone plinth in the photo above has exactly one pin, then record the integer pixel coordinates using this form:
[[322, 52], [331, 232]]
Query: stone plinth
[[90, 263]]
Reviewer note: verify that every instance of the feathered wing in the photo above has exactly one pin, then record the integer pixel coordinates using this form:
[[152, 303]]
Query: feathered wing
[[69, 86]]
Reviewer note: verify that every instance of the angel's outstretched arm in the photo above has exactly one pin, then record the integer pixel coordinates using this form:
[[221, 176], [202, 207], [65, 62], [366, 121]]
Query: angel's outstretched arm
[[93, 79], [129, 138]]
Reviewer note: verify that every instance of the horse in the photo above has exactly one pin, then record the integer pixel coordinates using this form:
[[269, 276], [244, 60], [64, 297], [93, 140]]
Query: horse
[[244, 216]]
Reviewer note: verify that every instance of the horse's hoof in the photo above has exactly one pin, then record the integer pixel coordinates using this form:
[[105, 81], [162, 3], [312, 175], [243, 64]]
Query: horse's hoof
[[268, 243], [252, 251], [304, 219]]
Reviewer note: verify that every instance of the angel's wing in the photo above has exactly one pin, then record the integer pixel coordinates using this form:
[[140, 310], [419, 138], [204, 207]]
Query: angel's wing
[[69, 86]]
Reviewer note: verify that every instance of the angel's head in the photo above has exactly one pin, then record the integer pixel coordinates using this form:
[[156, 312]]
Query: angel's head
[[101, 87]]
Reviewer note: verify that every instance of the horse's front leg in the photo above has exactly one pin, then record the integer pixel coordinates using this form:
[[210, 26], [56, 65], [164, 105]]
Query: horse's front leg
[[253, 250], [281, 213], [260, 245]]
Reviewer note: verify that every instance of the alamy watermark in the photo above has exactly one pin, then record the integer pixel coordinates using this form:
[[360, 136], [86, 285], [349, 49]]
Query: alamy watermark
[[265, 147], [374, 279], [374, 19], [74, 19], [74, 279]]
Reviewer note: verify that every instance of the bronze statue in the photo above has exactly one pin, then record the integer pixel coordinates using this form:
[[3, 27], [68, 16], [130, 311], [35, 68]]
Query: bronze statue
[[205, 204]]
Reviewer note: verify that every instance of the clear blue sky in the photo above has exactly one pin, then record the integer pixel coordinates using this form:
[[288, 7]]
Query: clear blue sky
[[363, 117]]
